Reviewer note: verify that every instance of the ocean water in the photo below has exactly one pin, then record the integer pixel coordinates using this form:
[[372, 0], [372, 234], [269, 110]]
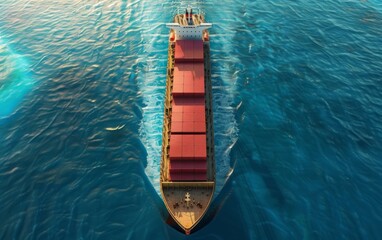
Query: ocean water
[[297, 97]]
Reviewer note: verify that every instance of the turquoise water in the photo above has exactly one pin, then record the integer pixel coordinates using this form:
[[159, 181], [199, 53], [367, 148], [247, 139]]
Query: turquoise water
[[14, 80], [297, 106]]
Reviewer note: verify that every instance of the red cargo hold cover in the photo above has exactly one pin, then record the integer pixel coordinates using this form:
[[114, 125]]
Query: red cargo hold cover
[[188, 104], [188, 166], [188, 115], [188, 176], [189, 122], [188, 147], [188, 79], [179, 127], [189, 51]]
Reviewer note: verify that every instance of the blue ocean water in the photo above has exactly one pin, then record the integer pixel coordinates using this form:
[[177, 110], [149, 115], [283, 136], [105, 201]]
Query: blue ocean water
[[297, 105]]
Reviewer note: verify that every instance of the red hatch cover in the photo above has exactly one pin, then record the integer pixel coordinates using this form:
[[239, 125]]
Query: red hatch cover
[[189, 51], [188, 176], [188, 115], [188, 166], [188, 147], [188, 79]]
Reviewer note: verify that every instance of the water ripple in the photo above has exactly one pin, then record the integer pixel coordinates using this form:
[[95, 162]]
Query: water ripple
[[297, 108]]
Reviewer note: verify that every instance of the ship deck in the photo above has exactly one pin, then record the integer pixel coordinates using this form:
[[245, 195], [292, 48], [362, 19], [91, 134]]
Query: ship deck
[[187, 213]]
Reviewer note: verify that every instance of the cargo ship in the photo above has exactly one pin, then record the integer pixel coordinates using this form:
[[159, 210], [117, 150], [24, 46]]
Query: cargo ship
[[187, 178]]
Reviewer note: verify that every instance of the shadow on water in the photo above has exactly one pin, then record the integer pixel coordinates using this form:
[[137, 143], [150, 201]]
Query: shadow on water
[[261, 169], [258, 193]]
